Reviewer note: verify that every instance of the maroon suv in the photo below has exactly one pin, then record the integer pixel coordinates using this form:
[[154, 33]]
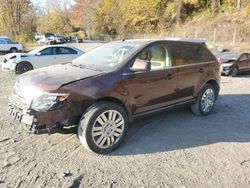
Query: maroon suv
[[105, 89]]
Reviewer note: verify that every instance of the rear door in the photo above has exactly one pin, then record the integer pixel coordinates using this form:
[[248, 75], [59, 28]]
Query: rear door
[[66, 54], [193, 62], [156, 88]]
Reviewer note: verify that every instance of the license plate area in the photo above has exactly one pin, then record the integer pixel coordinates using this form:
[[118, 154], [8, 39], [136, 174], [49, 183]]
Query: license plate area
[[18, 115]]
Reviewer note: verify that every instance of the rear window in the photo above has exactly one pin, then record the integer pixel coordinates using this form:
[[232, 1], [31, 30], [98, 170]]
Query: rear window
[[188, 53]]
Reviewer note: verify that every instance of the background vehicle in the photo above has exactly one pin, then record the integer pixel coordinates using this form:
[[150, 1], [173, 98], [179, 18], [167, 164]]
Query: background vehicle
[[75, 39], [117, 82], [218, 52], [40, 57], [7, 45], [233, 63]]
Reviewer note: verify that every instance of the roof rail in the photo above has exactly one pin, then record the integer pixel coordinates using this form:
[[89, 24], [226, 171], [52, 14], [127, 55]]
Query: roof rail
[[198, 40]]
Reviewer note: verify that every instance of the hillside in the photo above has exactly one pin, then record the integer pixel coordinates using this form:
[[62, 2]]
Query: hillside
[[230, 30]]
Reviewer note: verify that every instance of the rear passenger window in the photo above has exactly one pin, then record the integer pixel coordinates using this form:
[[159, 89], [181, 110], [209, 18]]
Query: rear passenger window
[[185, 53], [63, 50]]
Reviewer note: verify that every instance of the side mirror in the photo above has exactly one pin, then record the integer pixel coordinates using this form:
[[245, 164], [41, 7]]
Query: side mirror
[[38, 53], [140, 66]]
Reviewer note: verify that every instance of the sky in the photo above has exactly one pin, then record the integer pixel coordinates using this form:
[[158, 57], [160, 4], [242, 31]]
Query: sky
[[42, 3]]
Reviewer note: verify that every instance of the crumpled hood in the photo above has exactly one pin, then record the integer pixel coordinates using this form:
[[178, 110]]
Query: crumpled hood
[[53, 77], [16, 55]]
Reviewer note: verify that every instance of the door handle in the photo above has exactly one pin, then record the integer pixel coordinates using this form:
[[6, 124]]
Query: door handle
[[201, 70], [170, 76]]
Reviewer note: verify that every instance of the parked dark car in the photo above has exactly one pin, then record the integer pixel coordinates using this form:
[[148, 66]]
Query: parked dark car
[[110, 86], [75, 39], [234, 63]]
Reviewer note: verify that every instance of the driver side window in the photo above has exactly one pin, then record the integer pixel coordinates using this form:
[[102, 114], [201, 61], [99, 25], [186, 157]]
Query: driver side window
[[157, 55], [243, 58], [48, 51]]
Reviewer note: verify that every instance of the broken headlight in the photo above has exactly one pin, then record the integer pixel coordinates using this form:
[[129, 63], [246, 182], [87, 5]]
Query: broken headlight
[[48, 101]]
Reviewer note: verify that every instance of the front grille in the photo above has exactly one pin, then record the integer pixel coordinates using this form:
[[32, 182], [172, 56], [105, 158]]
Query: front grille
[[19, 102]]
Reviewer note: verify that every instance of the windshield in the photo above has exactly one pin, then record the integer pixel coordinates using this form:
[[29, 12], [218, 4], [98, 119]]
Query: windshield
[[35, 51], [229, 56], [107, 57]]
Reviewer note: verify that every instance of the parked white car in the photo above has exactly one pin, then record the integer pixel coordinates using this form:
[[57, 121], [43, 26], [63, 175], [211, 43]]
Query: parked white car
[[40, 57], [7, 45]]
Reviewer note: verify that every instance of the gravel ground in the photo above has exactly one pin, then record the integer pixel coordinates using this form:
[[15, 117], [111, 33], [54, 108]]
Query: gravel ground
[[171, 149]]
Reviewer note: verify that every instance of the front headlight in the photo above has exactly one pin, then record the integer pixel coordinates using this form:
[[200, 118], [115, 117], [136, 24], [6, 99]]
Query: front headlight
[[47, 101]]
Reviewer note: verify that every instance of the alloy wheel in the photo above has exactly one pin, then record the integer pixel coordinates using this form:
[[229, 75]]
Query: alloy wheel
[[108, 129], [207, 100]]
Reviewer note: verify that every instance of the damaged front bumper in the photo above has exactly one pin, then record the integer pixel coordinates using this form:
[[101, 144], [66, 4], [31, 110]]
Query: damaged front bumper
[[38, 122], [8, 66], [226, 70]]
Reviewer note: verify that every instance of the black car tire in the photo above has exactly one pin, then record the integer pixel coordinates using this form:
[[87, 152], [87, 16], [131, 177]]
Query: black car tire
[[89, 123], [13, 50], [234, 71], [197, 108], [23, 67]]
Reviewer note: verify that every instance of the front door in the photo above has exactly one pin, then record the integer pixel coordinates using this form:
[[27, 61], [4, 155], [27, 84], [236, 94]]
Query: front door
[[243, 62], [46, 57], [156, 88]]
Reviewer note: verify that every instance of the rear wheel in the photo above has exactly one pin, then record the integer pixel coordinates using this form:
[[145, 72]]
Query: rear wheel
[[205, 101], [103, 127], [13, 50], [23, 67], [234, 71]]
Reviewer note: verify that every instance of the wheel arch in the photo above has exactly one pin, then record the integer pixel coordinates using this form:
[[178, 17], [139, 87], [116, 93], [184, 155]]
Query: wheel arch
[[23, 62], [114, 100], [216, 86], [13, 48]]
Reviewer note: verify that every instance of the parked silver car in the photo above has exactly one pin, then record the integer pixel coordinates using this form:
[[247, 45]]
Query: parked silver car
[[40, 57]]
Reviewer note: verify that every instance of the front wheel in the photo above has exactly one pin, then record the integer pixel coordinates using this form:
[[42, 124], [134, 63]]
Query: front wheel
[[205, 102], [23, 67], [103, 127], [234, 71]]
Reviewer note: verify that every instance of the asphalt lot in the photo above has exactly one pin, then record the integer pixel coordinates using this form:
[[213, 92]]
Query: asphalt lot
[[171, 149]]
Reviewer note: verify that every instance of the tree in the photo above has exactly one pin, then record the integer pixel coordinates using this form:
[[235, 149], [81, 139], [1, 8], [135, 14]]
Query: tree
[[55, 19], [83, 15], [13, 13]]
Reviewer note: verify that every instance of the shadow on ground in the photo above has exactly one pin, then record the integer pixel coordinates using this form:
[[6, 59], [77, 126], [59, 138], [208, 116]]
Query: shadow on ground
[[179, 129]]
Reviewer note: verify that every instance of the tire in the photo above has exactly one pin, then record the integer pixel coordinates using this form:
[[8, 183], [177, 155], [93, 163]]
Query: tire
[[97, 130], [13, 50], [234, 71], [205, 102], [23, 67]]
